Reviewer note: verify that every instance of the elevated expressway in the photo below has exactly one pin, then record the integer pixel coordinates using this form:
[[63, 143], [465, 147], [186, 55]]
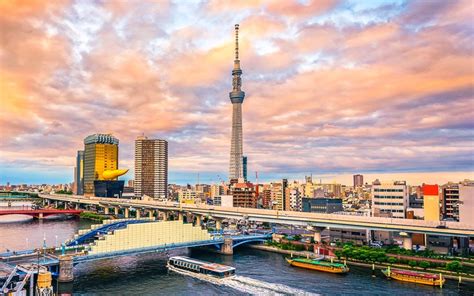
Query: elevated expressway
[[317, 221]]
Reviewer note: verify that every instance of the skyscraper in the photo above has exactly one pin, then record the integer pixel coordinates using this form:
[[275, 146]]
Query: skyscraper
[[79, 174], [358, 181], [237, 98], [151, 168], [100, 155]]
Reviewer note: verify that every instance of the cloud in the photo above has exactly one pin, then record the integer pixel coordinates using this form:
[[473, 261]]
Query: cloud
[[330, 87]]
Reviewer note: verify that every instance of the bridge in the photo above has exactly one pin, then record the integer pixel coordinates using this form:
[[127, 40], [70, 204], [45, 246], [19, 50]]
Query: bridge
[[124, 237], [39, 213], [315, 221]]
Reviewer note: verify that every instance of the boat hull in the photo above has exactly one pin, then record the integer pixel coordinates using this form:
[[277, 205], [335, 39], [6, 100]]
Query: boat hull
[[403, 278], [318, 267]]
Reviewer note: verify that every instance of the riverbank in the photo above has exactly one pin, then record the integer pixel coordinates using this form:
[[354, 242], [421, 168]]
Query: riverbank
[[94, 216], [307, 254]]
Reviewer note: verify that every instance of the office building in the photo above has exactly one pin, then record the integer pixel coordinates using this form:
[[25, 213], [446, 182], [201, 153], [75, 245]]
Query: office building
[[79, 173], [322, 205], [358, 181], [450, 194], [466, 202], [100, 155], [151, 168], [244, 166], [431, 203], [236, 97], [389, 198], [243, 195]]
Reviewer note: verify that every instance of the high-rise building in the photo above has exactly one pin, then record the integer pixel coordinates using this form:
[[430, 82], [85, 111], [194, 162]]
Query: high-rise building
[[236, 97], [389, 198], [244, 167], [466, 202], [431, 204], [279, 195], [358, 181], [79, 173], [100, 155], [451, 201], [243, 195], [151, 168]]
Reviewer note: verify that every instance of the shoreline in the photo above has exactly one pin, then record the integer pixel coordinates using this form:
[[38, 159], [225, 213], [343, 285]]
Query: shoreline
[[349, 262]]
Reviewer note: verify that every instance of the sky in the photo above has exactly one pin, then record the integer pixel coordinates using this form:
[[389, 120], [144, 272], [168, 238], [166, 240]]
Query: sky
[[333, 88]]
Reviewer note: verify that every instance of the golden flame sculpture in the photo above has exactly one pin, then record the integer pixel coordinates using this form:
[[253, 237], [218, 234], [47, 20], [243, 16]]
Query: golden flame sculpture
[[109, 175]]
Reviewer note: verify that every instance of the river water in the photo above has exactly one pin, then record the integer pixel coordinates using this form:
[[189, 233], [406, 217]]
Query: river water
[[258, 272]]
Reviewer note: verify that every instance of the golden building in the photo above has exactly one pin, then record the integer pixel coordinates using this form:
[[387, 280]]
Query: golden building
[[100, 155]]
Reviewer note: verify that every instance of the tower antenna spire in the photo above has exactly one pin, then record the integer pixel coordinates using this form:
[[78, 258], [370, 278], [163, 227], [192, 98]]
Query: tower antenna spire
[[236, 41]]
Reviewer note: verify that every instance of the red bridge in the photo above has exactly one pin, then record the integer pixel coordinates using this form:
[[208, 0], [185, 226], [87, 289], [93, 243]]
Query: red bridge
[[40, 213]]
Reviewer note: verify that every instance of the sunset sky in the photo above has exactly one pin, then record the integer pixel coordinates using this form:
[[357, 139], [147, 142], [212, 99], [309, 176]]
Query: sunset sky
[[332, 87]]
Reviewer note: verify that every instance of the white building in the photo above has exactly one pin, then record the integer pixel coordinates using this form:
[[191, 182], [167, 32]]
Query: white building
[[224, 201], [389, 199], [466, 202]]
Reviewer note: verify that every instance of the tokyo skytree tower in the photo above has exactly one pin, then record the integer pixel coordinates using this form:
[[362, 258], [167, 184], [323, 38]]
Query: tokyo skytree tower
[[236, 97]]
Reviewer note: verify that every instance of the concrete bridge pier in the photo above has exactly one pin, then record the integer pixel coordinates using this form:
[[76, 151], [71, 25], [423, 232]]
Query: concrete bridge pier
[[116, 211], [166, 216], [407, 240], [180, 216], [317, 234], [65, 269], [218, 224], [226, 247], [151, 214], [106, 210], [125, 213], [138, 214], [77, 206]]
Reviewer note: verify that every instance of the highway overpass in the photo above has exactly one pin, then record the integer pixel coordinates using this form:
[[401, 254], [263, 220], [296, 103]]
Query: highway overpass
[[316, 220]]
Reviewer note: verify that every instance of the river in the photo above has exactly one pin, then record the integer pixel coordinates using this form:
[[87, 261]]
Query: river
[[259, 272]]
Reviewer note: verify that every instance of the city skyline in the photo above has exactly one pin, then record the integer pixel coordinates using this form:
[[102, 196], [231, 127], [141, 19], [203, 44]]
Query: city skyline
[[329, 108]]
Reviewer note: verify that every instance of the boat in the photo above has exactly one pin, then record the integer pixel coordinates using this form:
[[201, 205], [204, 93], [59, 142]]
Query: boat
[[424, 278], [319, 265], [191, 266]]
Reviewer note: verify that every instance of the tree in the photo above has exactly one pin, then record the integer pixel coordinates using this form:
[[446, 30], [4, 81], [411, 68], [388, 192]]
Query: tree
[[392, 260], [338, 254], [424, 264], [412, 263], [455, 266]]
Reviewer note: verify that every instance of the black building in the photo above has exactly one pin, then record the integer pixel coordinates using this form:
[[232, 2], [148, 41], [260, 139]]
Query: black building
[[322, 205]]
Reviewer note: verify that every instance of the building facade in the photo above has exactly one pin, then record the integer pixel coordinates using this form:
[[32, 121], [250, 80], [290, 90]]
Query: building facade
[[389, 198], [151, 168], [79, 174], [243, 195], [322, 205], [358, 181], [466, 202], [450, 194], [100, 155], [431, 203]]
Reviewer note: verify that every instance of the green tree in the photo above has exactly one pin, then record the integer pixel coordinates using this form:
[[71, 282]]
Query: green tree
[[392, 260], [455, 266], [338, 254], [424, 264], [412, 263]]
